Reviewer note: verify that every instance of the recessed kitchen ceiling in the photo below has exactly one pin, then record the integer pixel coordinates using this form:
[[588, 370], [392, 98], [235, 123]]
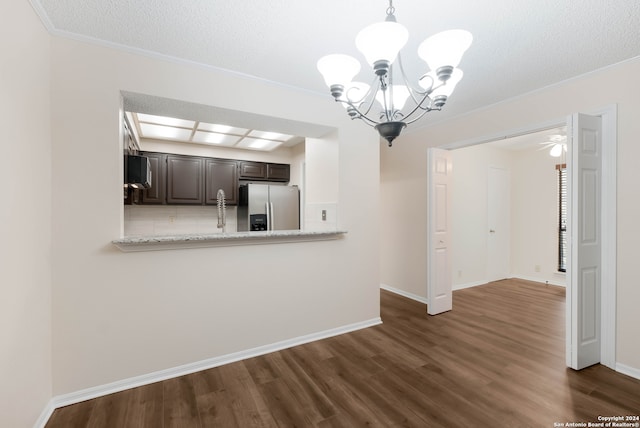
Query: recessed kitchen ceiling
[[148, 126], [519, 45]]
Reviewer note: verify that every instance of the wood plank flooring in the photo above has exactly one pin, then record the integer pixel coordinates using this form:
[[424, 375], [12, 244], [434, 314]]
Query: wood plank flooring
[[496, 360]]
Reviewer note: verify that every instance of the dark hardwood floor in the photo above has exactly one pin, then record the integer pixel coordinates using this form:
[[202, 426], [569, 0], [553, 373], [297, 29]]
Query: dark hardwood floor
[[496, 360]]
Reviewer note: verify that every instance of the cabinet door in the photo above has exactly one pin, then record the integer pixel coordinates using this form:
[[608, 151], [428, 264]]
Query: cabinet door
[[132, 196], [221, 174], [253, 170], [185, 180], [278, 172], [156, 194]]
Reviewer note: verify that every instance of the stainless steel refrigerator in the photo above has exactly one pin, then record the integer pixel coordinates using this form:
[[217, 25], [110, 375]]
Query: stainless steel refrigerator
[[268, 207]]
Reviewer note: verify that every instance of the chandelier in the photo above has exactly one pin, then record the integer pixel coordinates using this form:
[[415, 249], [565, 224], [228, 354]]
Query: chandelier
[[383, 103]]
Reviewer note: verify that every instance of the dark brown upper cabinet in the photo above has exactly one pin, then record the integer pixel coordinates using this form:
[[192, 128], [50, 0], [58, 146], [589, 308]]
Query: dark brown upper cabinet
[[156, 193], [264, 171], [193, 180], [278, 172], [221, 174], [253, 170], [185, 180]]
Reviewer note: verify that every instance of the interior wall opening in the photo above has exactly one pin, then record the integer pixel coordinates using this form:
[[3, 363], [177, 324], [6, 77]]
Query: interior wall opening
[[592, 215], [496, 235]]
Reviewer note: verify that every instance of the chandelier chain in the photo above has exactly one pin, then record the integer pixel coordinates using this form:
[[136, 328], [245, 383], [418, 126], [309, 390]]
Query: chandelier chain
[[391, 10]]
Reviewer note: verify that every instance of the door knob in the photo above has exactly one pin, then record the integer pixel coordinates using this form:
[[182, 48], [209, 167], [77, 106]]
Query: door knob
[[492, 231]]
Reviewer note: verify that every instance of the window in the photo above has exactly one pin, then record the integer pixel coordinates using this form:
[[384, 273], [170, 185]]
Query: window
[[562, 217]]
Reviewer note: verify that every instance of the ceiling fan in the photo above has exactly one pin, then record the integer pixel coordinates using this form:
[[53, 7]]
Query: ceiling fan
[[557, 145]]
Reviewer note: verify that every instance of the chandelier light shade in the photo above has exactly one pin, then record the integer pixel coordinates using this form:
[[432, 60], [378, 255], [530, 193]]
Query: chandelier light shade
[[381, 42], [392, 101], [442, 90], [445, 48], [398, 93], [338, 69]]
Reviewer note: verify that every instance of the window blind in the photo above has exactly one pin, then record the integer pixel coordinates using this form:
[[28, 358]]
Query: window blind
[[562, 217]]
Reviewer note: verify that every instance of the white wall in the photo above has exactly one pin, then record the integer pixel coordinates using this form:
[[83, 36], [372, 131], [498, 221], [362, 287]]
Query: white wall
[[118, 315], [296, 176], [25, 217], [322, 178], [403, 174], [470, 211], [534, 217], [533, 214]]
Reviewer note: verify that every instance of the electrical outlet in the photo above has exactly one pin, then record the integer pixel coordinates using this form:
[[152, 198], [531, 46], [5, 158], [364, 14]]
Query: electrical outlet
[[324, 215], [459, 274], [172, 219], [537, 268]]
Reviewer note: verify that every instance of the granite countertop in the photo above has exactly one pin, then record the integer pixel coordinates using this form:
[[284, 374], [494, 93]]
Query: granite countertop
[[173, 242]]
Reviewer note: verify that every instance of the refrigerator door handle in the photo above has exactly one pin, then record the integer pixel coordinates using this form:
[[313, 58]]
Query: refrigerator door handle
[[271, 217], [268, 213]]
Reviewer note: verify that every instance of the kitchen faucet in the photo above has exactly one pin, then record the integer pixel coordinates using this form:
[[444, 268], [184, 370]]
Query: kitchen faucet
[[222, 210]]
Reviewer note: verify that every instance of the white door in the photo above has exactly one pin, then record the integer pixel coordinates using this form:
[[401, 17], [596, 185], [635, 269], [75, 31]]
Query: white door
[[439, 177], [498, 224], [584, 174]]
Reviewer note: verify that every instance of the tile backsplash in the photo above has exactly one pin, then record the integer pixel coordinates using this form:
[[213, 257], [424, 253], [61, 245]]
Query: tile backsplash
[[150, 220]]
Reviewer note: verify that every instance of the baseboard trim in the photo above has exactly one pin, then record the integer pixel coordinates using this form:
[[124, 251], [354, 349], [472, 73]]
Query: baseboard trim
[[45, 415], [424, 299], [121, 385], [628, 370], [404, 293], [456, 287], [524, 277], [540, 280], [468, 285]]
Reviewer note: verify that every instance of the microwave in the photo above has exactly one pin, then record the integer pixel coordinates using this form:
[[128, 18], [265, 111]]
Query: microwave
[[137, 172]]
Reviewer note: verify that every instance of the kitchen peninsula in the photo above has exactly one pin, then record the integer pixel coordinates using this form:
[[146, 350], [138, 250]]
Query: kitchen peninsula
[[174, 242]]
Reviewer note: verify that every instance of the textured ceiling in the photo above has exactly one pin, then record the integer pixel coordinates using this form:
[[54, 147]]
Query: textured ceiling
[[519, 45]]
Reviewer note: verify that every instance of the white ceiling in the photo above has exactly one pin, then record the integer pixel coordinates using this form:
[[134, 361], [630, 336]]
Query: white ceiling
[[519, 45], [539, 140]]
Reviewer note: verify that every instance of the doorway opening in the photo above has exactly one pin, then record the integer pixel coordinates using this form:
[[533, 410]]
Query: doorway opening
[[588, 213], [505, 210]]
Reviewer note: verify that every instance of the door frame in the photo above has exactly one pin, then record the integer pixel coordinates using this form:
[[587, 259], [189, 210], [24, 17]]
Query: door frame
[[608, 215]]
